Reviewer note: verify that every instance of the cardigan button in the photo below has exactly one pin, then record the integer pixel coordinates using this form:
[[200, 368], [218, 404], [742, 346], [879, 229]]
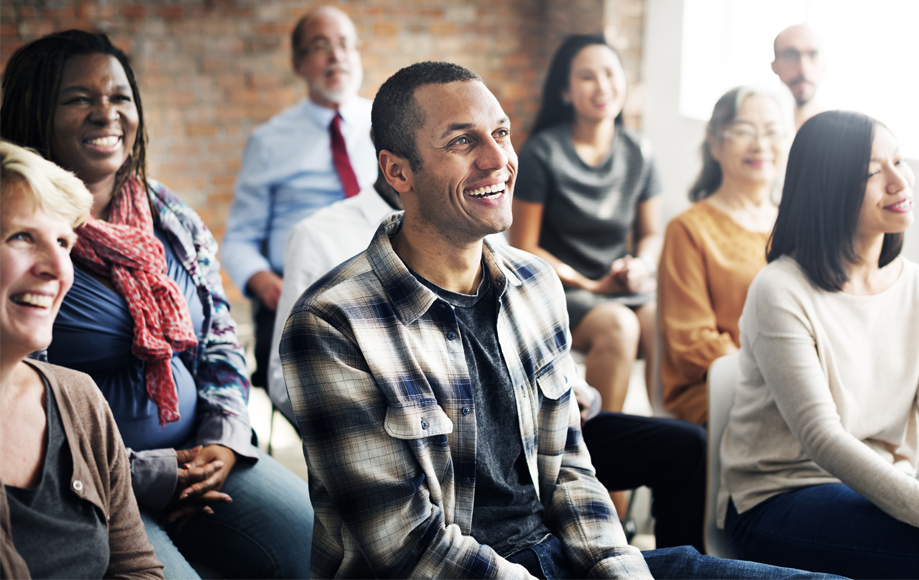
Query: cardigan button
[[451, 335], [78, 485], [424, 424], [465, 410], [466, 481]]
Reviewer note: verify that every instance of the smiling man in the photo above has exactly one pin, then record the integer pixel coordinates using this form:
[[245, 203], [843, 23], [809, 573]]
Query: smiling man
[[305, 158], [431, 375], [799, 65]]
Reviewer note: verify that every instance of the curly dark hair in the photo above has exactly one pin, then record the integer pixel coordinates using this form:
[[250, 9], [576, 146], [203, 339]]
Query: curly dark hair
[[31, 83]]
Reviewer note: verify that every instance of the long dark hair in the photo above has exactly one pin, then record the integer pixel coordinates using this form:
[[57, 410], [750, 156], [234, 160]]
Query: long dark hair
[[723, 116], [823, 195], [31, 83], [552, 110]]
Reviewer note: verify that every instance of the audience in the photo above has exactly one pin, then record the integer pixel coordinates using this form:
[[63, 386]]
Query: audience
[[799, 64], [431, 375], [586, 185], [314, 153], [61, 457], [713, 250], [821, 450], [147, 318]]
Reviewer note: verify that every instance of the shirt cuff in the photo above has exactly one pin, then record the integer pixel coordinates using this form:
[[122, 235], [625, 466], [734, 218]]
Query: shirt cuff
[[595, 399], [230, 432], [154, 473]]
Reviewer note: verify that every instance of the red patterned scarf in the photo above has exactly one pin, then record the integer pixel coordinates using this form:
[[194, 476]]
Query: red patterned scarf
[[125, 250]]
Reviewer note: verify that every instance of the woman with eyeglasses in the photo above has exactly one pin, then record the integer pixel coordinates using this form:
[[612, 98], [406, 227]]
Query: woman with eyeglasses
[[820, 456], [148, 319], [587, 186], [713, 250]]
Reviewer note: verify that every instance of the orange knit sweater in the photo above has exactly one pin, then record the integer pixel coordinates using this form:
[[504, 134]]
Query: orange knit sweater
[[707, 264]]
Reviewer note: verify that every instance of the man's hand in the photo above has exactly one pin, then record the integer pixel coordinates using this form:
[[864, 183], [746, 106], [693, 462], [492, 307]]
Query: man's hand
[[202, 473], [267, 286]]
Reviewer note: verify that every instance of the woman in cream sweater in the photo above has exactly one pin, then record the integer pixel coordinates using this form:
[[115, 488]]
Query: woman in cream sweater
[[821, 451]]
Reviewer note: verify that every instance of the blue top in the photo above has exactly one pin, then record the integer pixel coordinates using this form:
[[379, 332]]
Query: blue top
[[93, 333], [286, 175]]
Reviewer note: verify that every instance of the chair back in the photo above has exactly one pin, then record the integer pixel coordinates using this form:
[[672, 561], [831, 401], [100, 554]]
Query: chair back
[[656, 392], [722, 383]]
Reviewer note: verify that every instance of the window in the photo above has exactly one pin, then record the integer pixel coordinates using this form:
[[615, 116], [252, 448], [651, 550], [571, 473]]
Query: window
[[871, 48]]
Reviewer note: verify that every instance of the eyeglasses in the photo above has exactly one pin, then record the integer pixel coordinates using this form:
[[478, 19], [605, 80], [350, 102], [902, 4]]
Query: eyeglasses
[[323, 47], [795, 55], [745, 135]]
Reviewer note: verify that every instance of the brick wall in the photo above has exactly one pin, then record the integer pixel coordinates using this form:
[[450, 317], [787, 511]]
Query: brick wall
[[211, 70]]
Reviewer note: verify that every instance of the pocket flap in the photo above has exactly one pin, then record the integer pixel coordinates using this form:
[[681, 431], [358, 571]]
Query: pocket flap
[[557, 377], [417, 421]]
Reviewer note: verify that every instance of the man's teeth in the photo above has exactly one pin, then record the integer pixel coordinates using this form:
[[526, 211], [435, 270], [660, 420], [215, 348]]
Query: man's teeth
[[40, 300], [486, 191], [104, 141]]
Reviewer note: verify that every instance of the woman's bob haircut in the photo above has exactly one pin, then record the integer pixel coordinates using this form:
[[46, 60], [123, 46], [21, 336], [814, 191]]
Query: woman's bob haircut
[[47, 186], [823, 194]]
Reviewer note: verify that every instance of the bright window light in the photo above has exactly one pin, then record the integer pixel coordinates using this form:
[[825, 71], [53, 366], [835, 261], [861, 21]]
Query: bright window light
[[871, 48]]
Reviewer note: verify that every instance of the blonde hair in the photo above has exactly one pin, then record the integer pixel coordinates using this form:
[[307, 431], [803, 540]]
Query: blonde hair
[[51, 189]]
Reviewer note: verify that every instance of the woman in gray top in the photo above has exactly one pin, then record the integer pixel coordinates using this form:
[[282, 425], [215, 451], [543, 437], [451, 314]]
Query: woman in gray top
[[586, 183]]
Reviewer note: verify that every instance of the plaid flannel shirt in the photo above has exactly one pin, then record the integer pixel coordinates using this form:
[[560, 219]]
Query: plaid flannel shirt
[[377, 376]]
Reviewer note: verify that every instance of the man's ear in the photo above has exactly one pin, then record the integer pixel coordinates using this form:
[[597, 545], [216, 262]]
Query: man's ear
[[397, 172]]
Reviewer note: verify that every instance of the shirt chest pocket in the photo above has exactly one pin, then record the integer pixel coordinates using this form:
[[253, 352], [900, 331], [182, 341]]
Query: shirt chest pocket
[[556, 378], [427, 419]]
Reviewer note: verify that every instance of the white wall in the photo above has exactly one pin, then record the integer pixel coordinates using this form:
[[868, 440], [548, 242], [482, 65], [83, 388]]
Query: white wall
[[677, 138]]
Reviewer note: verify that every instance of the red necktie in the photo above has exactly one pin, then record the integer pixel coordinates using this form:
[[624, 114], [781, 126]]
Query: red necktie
[[341, 161]]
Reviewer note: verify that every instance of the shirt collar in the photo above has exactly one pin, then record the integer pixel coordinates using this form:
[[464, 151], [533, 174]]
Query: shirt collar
[[323, 116], [409, 296]]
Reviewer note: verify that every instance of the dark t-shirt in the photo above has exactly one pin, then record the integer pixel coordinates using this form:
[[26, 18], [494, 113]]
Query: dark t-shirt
[[507, 514], [587, 211], [58, 534]]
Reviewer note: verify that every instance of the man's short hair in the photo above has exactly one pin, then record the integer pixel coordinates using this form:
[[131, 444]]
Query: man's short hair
[[396, 114]]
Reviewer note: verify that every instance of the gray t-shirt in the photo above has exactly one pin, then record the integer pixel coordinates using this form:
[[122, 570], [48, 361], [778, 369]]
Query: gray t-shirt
[[588, 211], [58, 534], [507, 514]]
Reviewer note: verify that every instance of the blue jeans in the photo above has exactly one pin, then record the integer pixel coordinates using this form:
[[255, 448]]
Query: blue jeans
[[828, 528], [546, 560], [267, 532]]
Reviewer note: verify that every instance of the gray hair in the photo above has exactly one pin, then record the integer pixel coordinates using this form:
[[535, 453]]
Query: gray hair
[[723, 116]]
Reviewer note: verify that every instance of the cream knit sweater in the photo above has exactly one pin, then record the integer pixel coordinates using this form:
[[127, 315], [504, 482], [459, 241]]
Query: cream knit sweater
[[828, 392]]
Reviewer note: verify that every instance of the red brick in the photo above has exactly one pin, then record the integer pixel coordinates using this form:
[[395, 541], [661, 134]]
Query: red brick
[[201, 130], [132, 10]]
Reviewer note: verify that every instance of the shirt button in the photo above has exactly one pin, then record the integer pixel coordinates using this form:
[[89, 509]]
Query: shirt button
[[78, 485], [466, 481], [465, 410], [451, 335], [424, 424]]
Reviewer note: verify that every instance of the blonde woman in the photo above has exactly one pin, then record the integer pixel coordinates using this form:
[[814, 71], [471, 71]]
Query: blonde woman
[[67, 509]]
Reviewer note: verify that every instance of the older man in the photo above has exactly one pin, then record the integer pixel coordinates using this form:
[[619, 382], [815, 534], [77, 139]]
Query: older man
[[304, 158], [799, 65], [431, 376]]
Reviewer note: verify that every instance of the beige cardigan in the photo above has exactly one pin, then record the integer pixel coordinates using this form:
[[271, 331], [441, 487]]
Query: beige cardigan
[[827, 393], [101, 475]]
